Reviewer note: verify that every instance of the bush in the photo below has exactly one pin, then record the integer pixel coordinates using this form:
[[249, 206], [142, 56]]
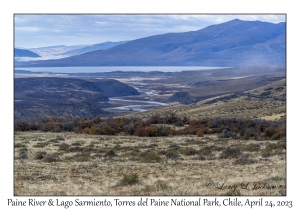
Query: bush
[[40, 145], [82, 157], [146, 131], [23, 154], [19, 145], [110, 153], [77, 143], [200, 157], [189, 151], [207, 151], [172, 155], [265, 153], [252, 147], [150, 157], [40, 155], [175, 146], [49, 158], [225, 133], [75, 149], [244, 159], [230, 152], [63, 147], [107, 130], [129, 179], [200, 133]]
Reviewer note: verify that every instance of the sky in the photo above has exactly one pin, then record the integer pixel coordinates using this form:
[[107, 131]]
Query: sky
[[33, 31]]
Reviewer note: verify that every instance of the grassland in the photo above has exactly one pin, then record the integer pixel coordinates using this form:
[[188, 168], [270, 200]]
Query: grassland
[[80, 164]]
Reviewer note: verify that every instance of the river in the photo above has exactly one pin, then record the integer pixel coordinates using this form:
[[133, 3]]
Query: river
[[146, 105]]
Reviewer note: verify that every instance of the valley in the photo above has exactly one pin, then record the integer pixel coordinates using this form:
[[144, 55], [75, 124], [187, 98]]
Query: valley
[[152, 90]]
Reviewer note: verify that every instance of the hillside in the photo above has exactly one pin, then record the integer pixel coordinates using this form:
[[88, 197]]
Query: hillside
[[56, 97], [267, 102], [24, 53], [233, 43]]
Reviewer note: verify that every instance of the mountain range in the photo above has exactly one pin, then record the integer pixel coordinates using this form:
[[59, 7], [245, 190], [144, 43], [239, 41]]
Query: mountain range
[[233, 43], [24, 53], [67, 51]]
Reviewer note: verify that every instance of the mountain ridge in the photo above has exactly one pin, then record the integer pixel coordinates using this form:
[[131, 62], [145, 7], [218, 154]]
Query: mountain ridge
[[24, 53], [231, 43]]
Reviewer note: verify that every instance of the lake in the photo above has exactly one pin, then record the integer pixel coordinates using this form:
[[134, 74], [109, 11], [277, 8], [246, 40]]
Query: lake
[[115, 68]]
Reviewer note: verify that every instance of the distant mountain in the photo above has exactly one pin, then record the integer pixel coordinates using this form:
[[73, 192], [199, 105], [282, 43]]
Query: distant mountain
[[57, 50], [233, 43], [91, 48], [62, 51], [24, 53]]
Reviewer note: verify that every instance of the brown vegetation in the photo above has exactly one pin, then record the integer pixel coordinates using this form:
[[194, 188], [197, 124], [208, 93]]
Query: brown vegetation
[[83, 164]]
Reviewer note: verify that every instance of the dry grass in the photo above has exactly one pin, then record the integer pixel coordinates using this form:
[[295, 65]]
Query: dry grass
[[117, 165]]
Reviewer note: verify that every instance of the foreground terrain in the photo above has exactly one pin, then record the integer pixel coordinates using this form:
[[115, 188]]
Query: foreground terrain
[[79, 164]]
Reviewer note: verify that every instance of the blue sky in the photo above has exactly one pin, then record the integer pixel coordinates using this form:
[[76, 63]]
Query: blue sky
[[48, 30]]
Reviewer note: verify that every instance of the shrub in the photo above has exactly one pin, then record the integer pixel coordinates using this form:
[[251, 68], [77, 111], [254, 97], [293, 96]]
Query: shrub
[[74, 149], [107, 130], [244, 159], [23, 154], [201, 157], [40, 155], [63, 147], [230, 152], [82, 157], [157, 186], [225, 133], [150, 157], [77, 143], [129, 179], [175, 146], [40, 145], [149, 130], [200, 133], [49, 158], [19, 145], [265, 153], [252, 147], [161, 185], [207, 151], [189, 151], [59, 138], [110, 153], [172, 155], [281, 145]]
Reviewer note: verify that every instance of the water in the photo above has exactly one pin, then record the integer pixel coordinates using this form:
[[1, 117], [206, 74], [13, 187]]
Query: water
[[138, 108], [115, 68]]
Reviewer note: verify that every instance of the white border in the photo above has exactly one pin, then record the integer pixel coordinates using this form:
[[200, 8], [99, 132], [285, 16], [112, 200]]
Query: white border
[[8, 8]]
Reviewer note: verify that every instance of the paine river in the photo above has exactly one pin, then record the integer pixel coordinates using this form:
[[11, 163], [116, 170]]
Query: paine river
[[138, 105]]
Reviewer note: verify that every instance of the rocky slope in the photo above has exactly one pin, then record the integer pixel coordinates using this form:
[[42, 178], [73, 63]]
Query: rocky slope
[[55, 97]]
